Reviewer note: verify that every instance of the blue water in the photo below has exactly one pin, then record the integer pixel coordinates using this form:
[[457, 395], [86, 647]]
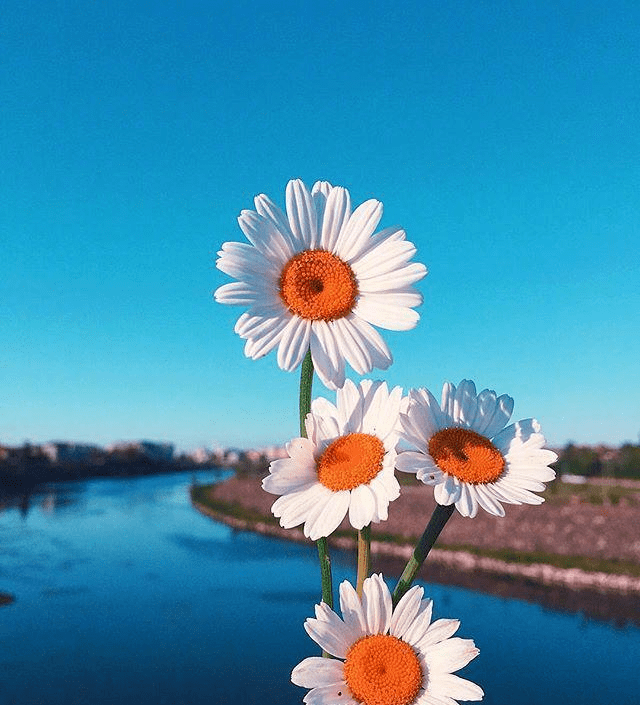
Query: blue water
[[125, 594]]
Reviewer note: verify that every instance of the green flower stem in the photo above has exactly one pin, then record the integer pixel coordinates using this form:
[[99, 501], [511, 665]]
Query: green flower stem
[[325, 571], [364, 557], [306, 382], [438, 519]]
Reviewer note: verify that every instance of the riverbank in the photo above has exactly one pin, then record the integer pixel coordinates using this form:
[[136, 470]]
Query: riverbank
[[566, 542]]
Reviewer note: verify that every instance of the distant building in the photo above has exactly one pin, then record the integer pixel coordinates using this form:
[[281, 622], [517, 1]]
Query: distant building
[[200, 456], [275, 452], [231, 456], [63, 452]]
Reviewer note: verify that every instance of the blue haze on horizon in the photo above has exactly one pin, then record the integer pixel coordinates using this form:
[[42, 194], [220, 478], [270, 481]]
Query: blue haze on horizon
[[504, 140]]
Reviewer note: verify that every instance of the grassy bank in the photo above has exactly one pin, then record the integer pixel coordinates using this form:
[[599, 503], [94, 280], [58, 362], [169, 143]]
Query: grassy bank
[[205, 496]]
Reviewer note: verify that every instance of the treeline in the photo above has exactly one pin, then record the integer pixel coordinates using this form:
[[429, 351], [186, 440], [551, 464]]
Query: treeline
[[28, 465], [600, 461]]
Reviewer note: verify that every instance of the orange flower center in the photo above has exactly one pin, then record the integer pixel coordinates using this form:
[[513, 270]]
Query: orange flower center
[[383, 670], [350, 461], [317, 285], [466, 454]]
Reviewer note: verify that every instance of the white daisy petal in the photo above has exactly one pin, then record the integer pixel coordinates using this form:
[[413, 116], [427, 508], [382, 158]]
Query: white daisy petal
[[422, 419], [358, 229], [465, 403], [488, 502], [352, 610], [326, 417], [376, 604], [382, 497], [454, 687], [336, 215], [271, 212], [302, 214], [361, 507], [516, 434], [317, 671], [258, 347], [321, 187], [448, 400], [400, 279], [354, 348], [320, 519], [448, 492], [237, 259], [289, 474], [372, 623], [372, 340], [452, 654], [329, 635], [343, 467], [406, 611], [375, 310], [501, 416], [327, 360], [300, 450], [325, 519], [375, 396], [319, 276], [265, 237], [464, 449], [294, 343], [293, 508], [425, 698], [237, 293], [384, 258], [440, 630], [467, 504], [329, 695], [487, 400], [415, 631]]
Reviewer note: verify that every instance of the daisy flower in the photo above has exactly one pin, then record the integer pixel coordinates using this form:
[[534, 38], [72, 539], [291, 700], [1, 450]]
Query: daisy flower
[[385, 656], [346, 465], [469, 454], [319, 278]]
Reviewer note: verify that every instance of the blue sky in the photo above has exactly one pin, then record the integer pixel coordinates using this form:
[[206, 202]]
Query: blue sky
[[505, 140]]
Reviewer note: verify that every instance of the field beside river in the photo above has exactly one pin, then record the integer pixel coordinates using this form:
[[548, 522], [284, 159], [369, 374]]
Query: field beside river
[[584, 536]]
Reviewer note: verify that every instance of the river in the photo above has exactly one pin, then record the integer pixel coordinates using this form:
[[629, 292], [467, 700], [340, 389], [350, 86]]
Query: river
[[125, 594]]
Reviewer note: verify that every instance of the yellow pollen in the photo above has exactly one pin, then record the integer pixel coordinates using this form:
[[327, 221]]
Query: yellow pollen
[[383, 670], [466, 454], [350, 461], [318, 286]]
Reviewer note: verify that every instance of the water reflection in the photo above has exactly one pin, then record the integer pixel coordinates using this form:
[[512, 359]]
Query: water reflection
[[49, 499], [617, 609]]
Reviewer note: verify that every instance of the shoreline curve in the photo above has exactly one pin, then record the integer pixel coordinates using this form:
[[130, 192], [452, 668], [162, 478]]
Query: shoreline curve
[[458, 560]]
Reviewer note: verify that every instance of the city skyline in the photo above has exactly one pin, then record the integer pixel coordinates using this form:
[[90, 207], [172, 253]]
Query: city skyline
[[504, 141]]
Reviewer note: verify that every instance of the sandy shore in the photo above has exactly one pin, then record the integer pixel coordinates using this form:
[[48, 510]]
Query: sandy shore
[[609, 532]]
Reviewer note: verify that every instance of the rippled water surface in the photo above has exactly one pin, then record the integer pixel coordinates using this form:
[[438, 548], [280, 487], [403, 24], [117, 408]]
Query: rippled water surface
[[125, 594]]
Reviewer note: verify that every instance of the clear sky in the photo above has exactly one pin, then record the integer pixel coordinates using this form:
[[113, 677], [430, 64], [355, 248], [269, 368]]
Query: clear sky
[[503, 137]]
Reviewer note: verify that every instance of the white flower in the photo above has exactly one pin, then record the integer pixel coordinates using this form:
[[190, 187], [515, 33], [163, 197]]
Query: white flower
[[469, 454], [385, 656], [320, 278], [346, 465]]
